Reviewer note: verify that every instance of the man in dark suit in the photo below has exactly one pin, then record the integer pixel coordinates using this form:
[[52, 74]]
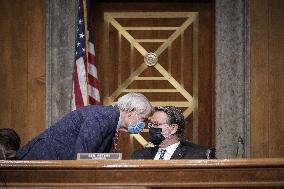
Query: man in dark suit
[[166, 132], [90, 129]]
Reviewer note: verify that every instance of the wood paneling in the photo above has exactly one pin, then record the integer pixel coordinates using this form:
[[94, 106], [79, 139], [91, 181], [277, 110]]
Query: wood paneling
[[178, 56], [276, 81], [36, 68], [267, 78], [22, 61], [244, 173], [259, 81]]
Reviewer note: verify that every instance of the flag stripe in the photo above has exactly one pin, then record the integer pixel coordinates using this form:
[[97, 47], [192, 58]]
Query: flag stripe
[[81, 72], [93, 81], [93, 101], [93, 71], [91, 59], [94, 93], [78, 95], [91, 49]]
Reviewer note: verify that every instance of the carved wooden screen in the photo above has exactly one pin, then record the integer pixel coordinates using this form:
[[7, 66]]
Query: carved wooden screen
[[138, 56]]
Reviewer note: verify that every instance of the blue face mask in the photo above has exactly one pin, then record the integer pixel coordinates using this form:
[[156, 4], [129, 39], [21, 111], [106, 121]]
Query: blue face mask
[[136, 128]]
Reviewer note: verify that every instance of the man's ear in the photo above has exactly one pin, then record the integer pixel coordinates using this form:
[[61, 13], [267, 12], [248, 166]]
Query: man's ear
[[174, 128], [130, 112]]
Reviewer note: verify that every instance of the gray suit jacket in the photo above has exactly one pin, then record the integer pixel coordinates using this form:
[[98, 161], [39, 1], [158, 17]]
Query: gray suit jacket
[[186, 150]]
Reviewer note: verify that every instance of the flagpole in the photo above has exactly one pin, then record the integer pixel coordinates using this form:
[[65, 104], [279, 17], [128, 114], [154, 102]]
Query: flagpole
[[87, 47]]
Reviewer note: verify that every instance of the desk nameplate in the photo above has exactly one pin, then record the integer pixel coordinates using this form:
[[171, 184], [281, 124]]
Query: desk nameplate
[[99, 156]]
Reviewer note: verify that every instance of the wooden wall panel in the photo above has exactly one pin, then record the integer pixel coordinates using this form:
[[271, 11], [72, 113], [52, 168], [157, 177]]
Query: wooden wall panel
[[276, 81], [13, 65], [22, 60], [267, 78], [259, 79], [36, 68], [170, 59]]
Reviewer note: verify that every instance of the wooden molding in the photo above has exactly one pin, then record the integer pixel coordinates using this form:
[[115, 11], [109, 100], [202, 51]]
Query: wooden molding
[[145, 173]]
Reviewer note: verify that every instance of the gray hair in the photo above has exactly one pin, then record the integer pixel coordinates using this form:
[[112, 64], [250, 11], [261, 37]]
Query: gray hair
[[135, 101]]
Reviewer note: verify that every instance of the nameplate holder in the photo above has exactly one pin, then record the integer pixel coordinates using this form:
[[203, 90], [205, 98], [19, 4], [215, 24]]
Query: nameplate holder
[[99, 156]]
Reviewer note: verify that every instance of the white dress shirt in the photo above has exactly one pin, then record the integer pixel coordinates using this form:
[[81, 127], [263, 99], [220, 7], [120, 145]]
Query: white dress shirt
[[170, 150]]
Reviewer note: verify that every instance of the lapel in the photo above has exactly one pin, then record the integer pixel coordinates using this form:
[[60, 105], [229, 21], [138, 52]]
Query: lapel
[[151, 153], [179, 152]]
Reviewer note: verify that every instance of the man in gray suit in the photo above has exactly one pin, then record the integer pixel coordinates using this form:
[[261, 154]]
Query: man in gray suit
[[166, 132]]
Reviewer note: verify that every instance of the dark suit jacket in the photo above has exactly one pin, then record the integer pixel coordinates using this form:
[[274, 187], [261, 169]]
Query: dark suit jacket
[[87, 130], [186, 150]]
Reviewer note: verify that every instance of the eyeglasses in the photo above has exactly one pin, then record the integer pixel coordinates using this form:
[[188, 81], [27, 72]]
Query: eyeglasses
[[155, 124], [141, 117]]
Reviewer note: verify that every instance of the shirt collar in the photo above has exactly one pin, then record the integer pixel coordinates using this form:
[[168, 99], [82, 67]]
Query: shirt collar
[[171, 148]]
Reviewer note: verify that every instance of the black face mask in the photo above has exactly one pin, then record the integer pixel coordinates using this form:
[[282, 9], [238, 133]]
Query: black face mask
[[155, 135]]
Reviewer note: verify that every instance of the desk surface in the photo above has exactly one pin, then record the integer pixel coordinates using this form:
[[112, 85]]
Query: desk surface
[[265, 173]]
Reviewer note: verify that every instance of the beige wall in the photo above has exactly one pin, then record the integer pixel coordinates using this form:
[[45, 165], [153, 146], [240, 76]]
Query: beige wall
[[267, 78], [22, 66]]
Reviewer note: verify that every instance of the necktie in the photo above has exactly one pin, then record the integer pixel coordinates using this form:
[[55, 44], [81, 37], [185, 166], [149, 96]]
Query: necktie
[[115, 141], [162, 154]]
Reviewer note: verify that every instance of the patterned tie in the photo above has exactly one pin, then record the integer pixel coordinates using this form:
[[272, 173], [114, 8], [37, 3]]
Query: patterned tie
[[115, 141], [162, 154]]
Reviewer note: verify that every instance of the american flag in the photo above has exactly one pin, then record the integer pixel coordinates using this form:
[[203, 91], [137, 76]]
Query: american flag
[[85, 86]]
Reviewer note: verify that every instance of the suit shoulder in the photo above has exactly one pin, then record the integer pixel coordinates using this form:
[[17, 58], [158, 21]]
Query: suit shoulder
[[138, 152], [192, 145], [208, 153], [143, 153], [99, 112]]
